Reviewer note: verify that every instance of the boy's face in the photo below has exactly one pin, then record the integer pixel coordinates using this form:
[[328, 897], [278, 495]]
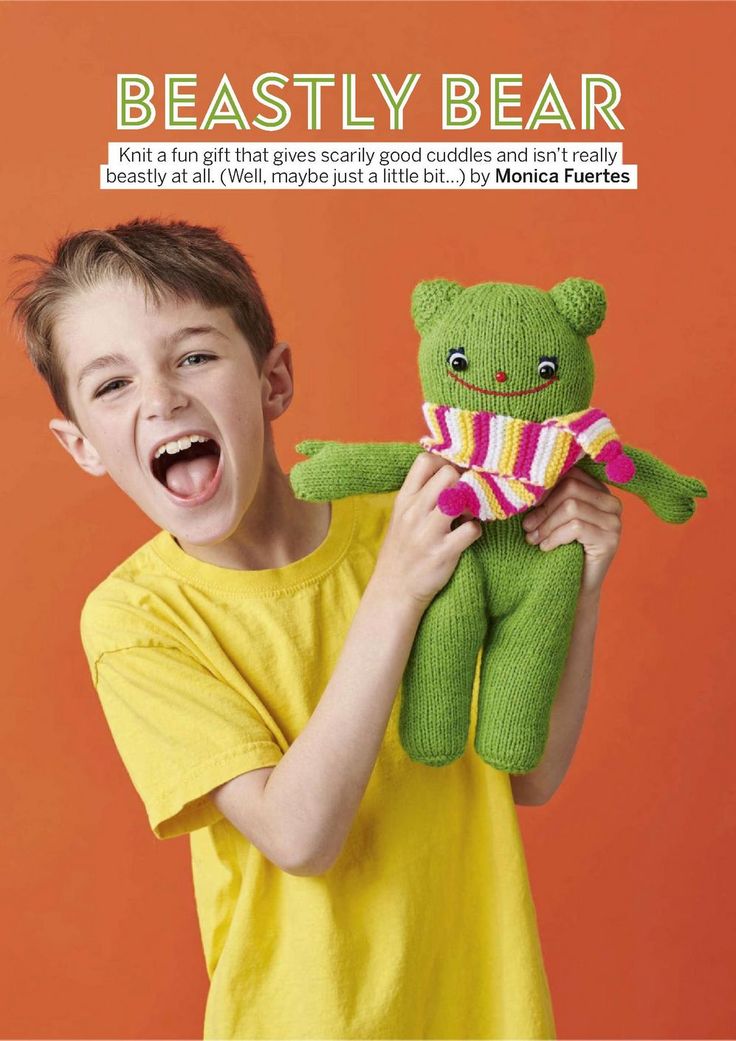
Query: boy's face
[[185, 368]]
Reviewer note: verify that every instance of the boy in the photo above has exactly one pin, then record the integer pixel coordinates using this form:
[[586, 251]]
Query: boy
[[248, 657]]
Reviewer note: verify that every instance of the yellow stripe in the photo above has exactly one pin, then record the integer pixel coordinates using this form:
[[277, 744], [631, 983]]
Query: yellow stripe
[[465, 436], [595, 446], [557, 458], [570, 417], [493, 503], [522, 491], [481, 487], [511, 442]]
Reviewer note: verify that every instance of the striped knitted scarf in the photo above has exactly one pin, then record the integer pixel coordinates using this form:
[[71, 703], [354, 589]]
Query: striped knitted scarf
[[511, 462]]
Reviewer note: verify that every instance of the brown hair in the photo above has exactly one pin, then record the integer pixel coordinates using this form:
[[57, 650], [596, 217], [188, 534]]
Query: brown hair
[[174, 257]]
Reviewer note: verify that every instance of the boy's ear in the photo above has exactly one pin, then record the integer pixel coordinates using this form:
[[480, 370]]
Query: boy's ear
[[430, 300], [76, 444], [278, 385]]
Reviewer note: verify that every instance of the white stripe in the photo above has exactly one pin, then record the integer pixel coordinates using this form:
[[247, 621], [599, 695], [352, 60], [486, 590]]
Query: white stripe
[[453, 426], [480, 490], [510, 494], [587, 437], [495, 442], [545, 446]]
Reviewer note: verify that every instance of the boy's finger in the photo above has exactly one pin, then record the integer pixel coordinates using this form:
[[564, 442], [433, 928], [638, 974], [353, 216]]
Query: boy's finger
[[445, 477], [464, 535], [421, 470], [583, 475], [573, 489], [582, 514]]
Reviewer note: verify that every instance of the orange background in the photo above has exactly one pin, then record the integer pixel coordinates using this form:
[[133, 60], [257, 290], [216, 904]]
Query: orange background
[[631, 862]]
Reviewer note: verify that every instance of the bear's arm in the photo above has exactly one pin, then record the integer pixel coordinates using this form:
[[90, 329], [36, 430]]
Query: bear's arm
[[669, 494], [336, 470]]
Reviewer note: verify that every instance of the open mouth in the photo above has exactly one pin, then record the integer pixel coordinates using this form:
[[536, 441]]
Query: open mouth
[[189, 473]]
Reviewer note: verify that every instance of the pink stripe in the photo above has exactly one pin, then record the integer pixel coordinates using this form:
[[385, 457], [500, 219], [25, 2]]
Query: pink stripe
[[527, 448], [440, 414], [609, 451], [507, 507], [586, 420], [573, 454], [481, 427]]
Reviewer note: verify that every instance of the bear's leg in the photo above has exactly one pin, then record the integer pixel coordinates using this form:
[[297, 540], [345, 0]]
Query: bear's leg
[[523, 661], [437, 686]]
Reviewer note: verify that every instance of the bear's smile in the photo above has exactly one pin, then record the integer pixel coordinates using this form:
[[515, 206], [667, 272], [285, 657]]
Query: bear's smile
[[502, 393]]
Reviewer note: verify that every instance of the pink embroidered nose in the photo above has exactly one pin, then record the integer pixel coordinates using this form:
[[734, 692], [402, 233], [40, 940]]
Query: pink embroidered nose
[[501, 377]]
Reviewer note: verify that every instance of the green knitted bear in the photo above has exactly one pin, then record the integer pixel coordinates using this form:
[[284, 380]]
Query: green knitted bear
[[507, 377]]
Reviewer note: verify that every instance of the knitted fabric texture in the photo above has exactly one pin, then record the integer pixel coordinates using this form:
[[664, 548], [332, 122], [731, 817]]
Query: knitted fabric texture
[[511, 462], [502, 624]]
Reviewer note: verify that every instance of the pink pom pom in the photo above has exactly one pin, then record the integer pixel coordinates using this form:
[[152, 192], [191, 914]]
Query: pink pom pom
[[459, 499], [620, 469]]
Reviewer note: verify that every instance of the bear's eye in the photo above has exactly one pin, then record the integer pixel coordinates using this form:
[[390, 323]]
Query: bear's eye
[[456, 359], [547, 367]]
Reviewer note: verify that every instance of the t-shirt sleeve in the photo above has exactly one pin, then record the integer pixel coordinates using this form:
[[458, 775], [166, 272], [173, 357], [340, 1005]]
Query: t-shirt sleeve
[[180, 731]]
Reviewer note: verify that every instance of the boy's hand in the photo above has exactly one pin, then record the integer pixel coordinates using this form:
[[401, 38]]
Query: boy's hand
[[581, 509], [421, 548]]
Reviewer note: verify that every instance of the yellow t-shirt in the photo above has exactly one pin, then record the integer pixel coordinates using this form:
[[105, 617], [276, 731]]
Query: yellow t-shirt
[[424, 927]]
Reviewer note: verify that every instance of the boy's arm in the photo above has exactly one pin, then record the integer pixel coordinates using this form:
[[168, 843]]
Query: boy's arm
[[568, 710], [307, 805], [578, 508], [299, 812]]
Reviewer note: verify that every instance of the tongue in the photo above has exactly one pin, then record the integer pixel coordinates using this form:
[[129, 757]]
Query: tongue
[[191, 476]]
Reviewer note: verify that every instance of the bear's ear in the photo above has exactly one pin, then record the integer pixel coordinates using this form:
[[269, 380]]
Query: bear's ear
[[581, 302], [430, 300]]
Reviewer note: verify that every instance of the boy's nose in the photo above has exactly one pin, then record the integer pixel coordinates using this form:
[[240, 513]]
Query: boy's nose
[[161, 398], [501, 376]]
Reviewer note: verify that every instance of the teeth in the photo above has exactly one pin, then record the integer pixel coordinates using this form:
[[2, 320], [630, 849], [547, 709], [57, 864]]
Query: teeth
[[172, 447]]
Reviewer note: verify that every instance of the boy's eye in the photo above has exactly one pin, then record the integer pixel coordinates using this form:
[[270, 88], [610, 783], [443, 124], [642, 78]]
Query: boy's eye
[[206, 356], [456, 359], [109, 386], [547, 367]]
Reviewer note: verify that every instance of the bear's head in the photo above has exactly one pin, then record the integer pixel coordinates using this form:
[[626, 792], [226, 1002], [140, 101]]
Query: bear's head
[[512, 349]]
